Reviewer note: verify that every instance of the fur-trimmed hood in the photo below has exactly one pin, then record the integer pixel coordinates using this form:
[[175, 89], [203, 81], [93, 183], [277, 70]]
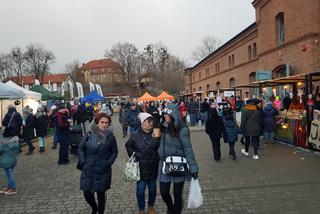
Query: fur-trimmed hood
[[8, 140]]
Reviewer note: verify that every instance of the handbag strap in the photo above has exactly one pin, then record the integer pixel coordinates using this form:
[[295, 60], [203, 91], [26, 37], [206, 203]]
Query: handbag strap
[[11, 119]]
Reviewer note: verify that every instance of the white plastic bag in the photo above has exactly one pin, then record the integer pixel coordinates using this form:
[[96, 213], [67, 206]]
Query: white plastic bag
[[195, 198], [131, 172], [188, 119]]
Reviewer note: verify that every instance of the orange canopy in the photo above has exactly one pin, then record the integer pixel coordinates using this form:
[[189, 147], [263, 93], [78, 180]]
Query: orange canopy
[[165, 96], [146, 97]]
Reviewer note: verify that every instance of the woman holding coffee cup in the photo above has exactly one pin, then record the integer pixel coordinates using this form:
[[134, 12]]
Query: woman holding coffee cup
[[145, 145]]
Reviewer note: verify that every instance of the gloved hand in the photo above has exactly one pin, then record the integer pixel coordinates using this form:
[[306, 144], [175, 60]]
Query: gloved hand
[[194, 175]]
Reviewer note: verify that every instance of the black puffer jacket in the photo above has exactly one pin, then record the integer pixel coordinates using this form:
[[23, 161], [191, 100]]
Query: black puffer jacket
[[146, 153], [41, 125]]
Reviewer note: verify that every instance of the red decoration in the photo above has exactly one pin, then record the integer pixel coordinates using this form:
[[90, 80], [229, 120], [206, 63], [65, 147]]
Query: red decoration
[[304, 48]]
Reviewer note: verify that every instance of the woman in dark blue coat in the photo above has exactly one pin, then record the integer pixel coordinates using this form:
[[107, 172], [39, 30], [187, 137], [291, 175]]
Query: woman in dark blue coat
[[269, 122], [215, 128], [230, 134], [97, 152]]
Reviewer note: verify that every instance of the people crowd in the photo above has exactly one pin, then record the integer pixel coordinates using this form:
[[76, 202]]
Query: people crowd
[[98, 148]]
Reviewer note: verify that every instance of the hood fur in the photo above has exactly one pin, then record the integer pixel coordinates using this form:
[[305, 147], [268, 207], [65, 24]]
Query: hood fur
[[8, 140]]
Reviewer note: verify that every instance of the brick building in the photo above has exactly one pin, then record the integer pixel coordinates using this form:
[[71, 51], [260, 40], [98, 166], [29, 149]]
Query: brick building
[[105, 72], [284, 40], [52, 82]]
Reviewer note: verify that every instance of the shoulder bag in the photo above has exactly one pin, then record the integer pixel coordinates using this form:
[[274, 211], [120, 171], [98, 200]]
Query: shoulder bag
[[175, 166]]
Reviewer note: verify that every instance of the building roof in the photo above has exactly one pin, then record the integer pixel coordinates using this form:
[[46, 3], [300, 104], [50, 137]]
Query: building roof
[[239, 35], [29, 80], [102, 66]]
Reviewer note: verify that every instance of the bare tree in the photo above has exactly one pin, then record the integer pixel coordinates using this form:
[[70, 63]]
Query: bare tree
[[38, 59], [208, 45], [125, 54], [18, 63], [72, 69], [5, 67]]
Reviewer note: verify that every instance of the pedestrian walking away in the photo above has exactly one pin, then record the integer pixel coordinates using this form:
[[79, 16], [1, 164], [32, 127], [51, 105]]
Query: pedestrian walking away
[[252, 128], [230, 134], [215, 128], [28, 128], [97, 153], [146, 153], [174, 141], [9, 148], [41, 121]]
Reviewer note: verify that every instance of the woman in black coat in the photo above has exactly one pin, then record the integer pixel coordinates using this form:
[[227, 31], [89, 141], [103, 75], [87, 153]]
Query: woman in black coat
[[97, 152], [41, 121], [146, 153], [215, 128], [27, 128]]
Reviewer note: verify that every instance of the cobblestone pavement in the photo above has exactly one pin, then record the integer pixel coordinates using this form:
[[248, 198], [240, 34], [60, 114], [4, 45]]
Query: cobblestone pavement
[[284, 180]]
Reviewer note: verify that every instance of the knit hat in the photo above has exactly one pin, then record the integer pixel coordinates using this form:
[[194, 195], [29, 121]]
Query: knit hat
[[52, 108], [173, 110], [143, 116], [11, 106]]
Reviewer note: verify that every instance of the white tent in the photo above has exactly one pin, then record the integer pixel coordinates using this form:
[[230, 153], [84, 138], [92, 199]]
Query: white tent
[[7, 92], [26, 93]]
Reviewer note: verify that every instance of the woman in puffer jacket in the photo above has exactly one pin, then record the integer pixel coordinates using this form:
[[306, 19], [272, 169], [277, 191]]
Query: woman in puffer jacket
[[230, 134], [9, 148]]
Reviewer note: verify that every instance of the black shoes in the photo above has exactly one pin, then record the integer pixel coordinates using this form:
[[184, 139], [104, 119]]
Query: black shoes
[[41, 149], [30, 151], [54, 147]]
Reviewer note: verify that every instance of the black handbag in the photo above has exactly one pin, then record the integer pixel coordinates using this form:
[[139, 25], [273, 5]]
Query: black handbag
[[175, 166]]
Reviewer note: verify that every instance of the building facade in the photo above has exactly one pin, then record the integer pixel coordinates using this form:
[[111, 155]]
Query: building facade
[[105, 72], [52, 82], [284, 40]]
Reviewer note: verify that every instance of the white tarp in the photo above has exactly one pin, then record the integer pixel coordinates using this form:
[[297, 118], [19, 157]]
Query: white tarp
[[7, 92], [26, 93]]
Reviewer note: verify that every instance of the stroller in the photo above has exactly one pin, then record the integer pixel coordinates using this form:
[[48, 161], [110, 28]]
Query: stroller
[[75, 138]]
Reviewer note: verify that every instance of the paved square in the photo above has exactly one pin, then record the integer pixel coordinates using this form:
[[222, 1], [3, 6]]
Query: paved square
[[284, 180]]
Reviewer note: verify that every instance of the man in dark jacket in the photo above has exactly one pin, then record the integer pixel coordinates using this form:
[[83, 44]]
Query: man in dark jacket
[[205, 107], [192, 112], [146, 153], [132, 118], [16, 120], [62, 121], [28, 128], [269, 122], [80, 118]]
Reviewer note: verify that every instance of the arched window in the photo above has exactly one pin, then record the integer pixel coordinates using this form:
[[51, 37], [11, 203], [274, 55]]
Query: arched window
[[280, 28], [232, 83], [208, 87], [218, 85], [252, 77]]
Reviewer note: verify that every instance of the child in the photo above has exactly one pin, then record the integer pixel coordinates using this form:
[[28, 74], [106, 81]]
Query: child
[[230, 134], [9, 148]]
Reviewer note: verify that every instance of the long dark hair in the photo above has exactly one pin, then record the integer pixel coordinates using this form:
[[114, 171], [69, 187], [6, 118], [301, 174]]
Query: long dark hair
[[213, 115], [171, 129]]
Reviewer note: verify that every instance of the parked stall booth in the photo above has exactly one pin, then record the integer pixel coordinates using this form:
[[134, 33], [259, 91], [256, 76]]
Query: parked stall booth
[[292, 124]]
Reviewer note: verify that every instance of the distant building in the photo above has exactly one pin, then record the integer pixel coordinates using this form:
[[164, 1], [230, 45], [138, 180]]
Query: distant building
[[284, 41], [105, 72], [52, 82]]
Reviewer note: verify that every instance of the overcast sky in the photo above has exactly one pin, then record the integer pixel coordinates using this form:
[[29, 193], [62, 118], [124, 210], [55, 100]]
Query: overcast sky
[[84, 29]]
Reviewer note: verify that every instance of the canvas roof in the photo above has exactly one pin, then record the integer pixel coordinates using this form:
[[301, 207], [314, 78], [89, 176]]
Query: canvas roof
[[26, 93], [7, 92], [146, 97], [165, 96], [45, 93]]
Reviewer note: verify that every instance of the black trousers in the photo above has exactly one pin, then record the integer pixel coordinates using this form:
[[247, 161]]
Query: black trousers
[[216, 149], [125, 130], [177, 206], [89, 196]]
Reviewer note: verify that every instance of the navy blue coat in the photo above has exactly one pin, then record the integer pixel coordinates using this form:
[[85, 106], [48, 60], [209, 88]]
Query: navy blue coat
[[28, 132], [231, 131], [96, 155], [133, 120], [268, 118]]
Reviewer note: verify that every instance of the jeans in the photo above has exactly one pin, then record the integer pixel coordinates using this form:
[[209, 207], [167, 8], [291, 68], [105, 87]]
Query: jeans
[[231, 147], [204, 116], [177, 207], [64, 147], [10, 178], [125, 130], [29, 143], [192, 119], [255, 142], [41, 141], [152, 192], [55, 136], [268, 136]]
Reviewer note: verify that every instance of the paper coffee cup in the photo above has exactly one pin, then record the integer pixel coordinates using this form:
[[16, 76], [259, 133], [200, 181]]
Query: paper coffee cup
[[156, 132]]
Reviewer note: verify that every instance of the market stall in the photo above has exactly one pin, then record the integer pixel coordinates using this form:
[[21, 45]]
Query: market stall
[[165, 96], [294, 120], [146, 97]]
